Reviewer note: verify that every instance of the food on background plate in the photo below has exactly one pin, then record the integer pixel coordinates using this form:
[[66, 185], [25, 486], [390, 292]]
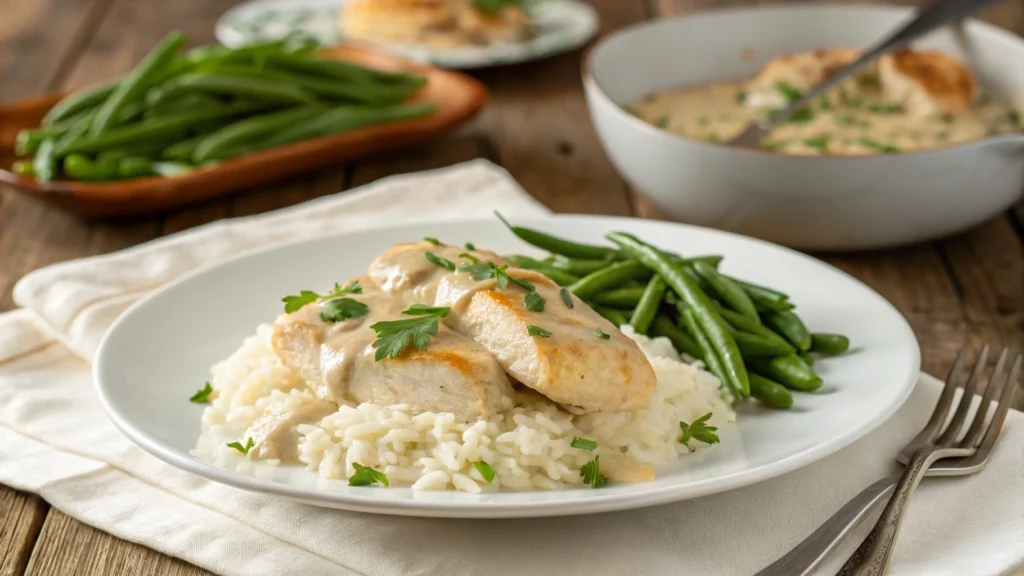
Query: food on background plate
[[176, 112], [449, 366], [910, 100], [437, 23]]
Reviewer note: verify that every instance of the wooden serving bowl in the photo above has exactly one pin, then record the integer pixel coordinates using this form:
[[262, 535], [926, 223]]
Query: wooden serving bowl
[[458, 98]]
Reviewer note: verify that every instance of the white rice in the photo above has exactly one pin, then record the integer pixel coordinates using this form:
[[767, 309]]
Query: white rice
[[528, 447]]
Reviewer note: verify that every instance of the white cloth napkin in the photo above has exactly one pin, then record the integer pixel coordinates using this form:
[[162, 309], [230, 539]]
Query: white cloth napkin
[[56, 441]]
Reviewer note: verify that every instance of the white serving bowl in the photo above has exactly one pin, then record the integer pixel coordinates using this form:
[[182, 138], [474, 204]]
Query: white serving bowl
[[811, 203]]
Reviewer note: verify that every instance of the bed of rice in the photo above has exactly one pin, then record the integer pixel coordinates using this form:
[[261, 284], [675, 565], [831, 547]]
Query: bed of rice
[[528, 447]]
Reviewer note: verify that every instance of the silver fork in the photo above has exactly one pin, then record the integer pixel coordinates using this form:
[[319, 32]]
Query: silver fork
[[809, 553]]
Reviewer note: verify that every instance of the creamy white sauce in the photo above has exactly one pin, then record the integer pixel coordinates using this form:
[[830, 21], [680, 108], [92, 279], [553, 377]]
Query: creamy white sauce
[[840, 123]]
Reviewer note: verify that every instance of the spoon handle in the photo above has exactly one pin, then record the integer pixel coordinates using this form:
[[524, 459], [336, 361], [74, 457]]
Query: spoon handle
[[936, 15]]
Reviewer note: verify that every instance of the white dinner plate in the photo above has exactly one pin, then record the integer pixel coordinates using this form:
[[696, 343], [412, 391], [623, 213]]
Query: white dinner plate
[[160, 351], [561, 25]]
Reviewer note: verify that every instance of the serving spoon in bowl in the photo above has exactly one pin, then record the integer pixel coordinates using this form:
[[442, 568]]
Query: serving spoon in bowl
[[936, 15]]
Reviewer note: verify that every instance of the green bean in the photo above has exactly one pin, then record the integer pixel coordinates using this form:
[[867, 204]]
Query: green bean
[[137, 82], [134, 167], [189, 101], [762, 290], [829, 344], [141, 149], [790, 371], [74, 135], [789, 326], [648, 306], [620, 297], [709, 354], [561, 246], [341, 70], [80, 167], [765, 298], [770, 393], [808, 359], [172, 169], [753, 345], [561, 277], [44, 164], [525, 262], [681, 341], [609, 277], [225, 142], [740, 322], [247, 86], [24, 168], [341, 119], [711, 323], [163, 128], [728, 291], [579, 266], [78, 102], [617, 317]]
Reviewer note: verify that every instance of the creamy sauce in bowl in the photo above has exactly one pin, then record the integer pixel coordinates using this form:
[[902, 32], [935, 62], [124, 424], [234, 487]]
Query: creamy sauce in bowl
[[857, 118]]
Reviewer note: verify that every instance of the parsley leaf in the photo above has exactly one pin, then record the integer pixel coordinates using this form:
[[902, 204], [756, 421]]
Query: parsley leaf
[[741, 96], [566, 297], [202, 396], [699, 431], [601, 334], [395, 335], [534, 302], [293, 303], [661, 122], [441, 261], [365, 476], [487, 270], [885, 107], [342, 309], [537, 331], [432, 240], [802, 115], [591, 473], [470, 246], [1013, 117], [485, 470], [243, 449], [819, 143], [470, 257], [875, 145], [789, 92], [583, 444]]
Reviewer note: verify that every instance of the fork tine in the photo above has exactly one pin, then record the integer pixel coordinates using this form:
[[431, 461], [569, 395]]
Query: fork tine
[[996, 425], [953, 430], [931, 429], [977, 430]]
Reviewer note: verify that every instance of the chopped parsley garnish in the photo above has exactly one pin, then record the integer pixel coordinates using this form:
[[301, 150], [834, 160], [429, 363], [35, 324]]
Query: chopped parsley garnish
[[875, 145], [591, 473], [601, 334], [534, 302], [630, 110], [537, 331], [487, 270], [293, 303], [470, 246], [661, 122], [583, 444], [395, 335], [825, 103], [773, 145], [432, 240], [704, 120], [441, 261], [243, 449], [948, 118], [885, 107], [714, 138], [1013, 117], [470, 257], [789, 92], [819, 143], [849, 120], [203, 395], [872, 81], [741, 96], [942, 136], [566, 297], [341, 309], [802, 115], [699, 431], [365, 476], [485, 470]]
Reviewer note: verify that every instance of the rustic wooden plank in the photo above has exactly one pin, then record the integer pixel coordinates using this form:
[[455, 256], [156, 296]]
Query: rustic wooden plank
[[67, 546], [538, 127], [22, 516], [40, 40]]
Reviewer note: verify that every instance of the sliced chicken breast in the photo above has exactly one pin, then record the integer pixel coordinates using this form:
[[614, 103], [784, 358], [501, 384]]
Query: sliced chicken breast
[[926, 83], [800, 71], [336, 359], [574, 365]]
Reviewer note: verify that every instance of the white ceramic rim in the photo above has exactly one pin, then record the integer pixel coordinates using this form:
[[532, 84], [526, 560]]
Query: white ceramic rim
[[590, 81], [599, 502]]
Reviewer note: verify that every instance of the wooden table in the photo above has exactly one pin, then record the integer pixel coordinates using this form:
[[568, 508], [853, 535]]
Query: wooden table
[[969, 288]]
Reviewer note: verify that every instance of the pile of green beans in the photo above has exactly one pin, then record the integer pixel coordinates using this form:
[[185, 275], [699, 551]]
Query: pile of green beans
[[177, 111], [746, 334]]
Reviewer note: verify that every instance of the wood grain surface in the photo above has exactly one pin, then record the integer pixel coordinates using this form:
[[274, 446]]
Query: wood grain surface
[[967, 289]]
